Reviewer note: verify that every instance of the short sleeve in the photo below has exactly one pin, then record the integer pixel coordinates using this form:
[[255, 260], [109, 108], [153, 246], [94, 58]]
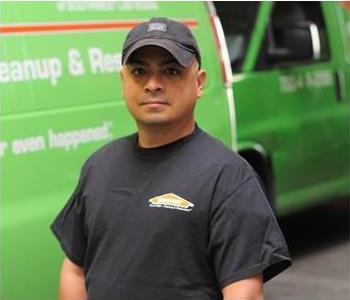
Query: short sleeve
[[245, 238], [68, 228]]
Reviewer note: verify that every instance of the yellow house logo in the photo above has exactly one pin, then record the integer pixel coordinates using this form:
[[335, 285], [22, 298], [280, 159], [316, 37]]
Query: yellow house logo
[[171, 201]]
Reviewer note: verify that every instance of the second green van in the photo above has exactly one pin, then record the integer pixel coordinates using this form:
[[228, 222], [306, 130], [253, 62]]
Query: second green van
[[291, 82]]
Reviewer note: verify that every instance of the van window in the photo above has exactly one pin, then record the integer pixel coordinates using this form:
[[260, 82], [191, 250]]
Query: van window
[[238, 20], [289, 14]]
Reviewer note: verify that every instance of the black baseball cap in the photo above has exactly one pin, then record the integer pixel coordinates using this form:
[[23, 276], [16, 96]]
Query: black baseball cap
[[173, 36]]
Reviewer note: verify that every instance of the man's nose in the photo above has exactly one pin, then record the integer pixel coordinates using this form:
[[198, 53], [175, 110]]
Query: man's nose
[[154, 84]]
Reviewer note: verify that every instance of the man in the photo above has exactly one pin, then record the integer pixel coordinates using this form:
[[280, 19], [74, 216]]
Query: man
[[167, 213]]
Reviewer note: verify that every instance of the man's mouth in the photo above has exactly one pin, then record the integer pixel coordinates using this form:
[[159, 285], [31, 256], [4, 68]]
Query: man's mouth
[[154, 102]]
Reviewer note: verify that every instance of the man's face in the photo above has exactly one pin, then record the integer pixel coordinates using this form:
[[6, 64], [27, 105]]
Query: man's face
[[158, 90]]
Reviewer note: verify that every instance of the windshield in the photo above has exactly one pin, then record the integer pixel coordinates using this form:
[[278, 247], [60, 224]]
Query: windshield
[[237, 19]]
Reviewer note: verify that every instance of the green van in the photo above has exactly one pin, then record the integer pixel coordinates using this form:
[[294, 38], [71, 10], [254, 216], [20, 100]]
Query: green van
[[61, 100], [291, 66]]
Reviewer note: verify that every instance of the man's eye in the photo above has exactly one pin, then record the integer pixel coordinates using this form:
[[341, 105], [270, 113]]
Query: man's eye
[[138, 71], [172, 71]]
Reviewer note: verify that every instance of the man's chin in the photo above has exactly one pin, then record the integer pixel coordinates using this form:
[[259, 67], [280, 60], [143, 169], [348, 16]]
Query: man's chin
[[154, 122]]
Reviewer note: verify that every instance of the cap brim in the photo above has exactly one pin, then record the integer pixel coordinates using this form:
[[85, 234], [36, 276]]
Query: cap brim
[[183, 56]]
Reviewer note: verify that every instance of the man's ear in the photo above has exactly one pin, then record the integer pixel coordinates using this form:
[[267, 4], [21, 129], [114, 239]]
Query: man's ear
[[122, 70], [201, 80], [121, 73]]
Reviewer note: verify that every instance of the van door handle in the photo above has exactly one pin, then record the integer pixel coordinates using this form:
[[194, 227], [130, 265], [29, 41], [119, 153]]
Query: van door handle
[[339, 85]]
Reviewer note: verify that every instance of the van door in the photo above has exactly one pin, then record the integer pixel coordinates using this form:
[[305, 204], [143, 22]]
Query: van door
[[288, 102]]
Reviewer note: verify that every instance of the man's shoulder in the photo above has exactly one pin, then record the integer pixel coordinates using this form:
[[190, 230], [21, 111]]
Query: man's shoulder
[[110, 151], [219, 158], [215, 150]]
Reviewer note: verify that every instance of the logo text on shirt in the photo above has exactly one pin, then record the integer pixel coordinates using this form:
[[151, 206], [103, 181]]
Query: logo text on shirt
[[171, 201]]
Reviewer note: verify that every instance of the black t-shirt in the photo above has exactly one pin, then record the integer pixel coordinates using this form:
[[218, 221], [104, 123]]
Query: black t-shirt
[[180, 221]]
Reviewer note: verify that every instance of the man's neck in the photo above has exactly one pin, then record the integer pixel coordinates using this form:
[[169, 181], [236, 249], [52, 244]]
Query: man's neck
[[155, 136]]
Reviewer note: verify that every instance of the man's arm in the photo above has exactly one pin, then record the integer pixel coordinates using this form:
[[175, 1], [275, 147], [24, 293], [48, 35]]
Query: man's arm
[[246, 289], [72, 282]]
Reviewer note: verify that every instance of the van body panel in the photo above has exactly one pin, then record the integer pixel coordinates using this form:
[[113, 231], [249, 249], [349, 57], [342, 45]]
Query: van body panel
[[299, 113]]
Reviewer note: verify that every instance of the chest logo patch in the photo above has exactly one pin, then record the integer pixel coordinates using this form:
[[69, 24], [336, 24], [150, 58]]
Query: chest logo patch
[[171, 201]]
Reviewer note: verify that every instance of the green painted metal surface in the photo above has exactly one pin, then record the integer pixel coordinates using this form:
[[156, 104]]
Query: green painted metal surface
[[294, 113]]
